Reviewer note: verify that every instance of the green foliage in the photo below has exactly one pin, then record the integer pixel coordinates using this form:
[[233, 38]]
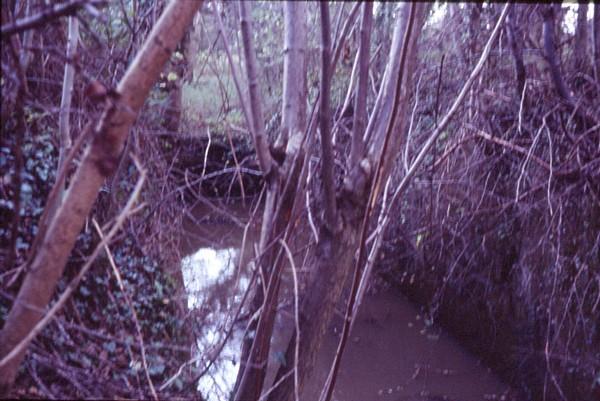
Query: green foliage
[[40, 158]]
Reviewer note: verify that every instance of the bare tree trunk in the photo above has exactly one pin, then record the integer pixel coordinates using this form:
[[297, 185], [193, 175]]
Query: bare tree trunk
[[324, 122], [596, 27], [26, 53], [581, 38], [258, 125], [515, 38], [360, 102], [280, 199], [293, 113], [335, 253], [99, 161], [549, 15]]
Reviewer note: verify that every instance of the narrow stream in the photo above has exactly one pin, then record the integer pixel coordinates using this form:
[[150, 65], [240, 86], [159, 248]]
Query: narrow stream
[[394, 353]]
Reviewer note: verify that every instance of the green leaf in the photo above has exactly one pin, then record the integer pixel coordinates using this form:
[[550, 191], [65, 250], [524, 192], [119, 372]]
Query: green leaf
[[85, 361], [85, 291], [156, 369], [110, 346]]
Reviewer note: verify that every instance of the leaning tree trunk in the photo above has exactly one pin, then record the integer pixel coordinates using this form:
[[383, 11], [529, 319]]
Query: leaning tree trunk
[[335, 250], [280, 197], [99, 162]]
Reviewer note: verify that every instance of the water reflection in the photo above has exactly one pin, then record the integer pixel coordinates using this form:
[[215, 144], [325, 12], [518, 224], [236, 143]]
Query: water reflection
[[204, 269], [208, 276], [395, 353]]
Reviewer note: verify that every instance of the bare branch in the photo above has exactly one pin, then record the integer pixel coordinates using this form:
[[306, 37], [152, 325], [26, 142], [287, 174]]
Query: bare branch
[[360, 108], [47, 15], [293, 113]]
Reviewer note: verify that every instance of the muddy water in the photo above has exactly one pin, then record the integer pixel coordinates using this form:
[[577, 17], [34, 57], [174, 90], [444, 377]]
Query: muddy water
[[394, 352]]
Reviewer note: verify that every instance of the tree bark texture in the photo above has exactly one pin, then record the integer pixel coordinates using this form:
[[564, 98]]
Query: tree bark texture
[[515, 38], [549, 15], [596, 28], [258, 125], [99, 161], [280, 202], [293, 113], [324, 122], [360, 101], [335, 253], [581, 38]]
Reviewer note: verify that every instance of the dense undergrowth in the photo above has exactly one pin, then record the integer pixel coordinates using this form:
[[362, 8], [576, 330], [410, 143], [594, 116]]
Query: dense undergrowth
[[500, 234]]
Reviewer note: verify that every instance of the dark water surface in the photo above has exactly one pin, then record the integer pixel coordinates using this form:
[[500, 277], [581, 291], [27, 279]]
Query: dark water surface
[[394, 352]]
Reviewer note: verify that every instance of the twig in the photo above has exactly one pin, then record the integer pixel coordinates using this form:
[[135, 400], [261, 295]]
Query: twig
[[131, 308], [237, 167], [508, 145], [530, 152], [296, 316], [281, 380], [234, 74], [49, 14]]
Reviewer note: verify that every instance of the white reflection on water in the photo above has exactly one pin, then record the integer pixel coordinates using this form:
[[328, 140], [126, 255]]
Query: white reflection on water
[[207, 274], [204, 269]]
